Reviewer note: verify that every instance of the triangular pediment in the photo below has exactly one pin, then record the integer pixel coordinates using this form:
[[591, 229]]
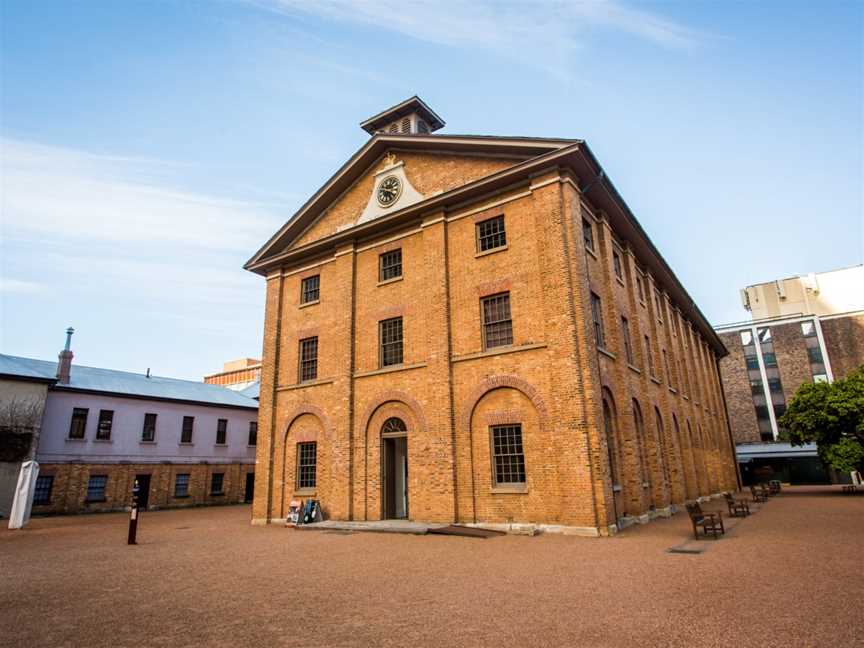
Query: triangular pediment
[[424, 167]]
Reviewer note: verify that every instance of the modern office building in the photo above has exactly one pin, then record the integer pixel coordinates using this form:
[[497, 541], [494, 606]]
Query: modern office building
[[477, 329], [804, 329]]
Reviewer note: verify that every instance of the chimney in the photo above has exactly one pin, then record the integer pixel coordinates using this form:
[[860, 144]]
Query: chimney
[[64, 366]]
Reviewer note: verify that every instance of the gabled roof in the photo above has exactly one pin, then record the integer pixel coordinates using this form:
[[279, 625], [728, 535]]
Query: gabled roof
[[377, 146], [533, 156], [411, 105], [123, 383]]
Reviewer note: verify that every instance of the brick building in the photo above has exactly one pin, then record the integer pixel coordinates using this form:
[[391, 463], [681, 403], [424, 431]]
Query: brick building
[[186, 442], [804, 329], [476, 329]]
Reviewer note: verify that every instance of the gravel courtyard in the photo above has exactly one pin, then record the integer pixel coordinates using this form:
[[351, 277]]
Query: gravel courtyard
[[790, 575]]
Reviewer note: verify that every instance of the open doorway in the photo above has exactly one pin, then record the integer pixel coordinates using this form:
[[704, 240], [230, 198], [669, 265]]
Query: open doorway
[[394, 468], [250, 487], [143, 491]]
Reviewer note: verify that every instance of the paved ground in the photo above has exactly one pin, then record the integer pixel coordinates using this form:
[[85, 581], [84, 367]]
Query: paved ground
[[791, 575]]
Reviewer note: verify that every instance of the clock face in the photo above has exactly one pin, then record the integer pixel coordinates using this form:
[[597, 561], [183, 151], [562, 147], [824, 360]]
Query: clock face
[[389, 191]]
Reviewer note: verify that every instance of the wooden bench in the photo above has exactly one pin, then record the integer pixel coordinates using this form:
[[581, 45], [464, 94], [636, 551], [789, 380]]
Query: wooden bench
[[709, 522], [759, 494], [850, 489], [737, 508]]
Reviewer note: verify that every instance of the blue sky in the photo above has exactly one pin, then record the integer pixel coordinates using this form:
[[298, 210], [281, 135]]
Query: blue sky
[[149, 148]]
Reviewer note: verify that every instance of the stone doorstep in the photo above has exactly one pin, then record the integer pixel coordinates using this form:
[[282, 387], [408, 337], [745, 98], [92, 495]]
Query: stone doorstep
[[421, 528], [374, 526]]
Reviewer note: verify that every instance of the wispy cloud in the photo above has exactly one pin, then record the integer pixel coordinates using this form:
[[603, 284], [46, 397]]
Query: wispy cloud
[[518, 28], [9, 286], [119, 236], [56, 192]]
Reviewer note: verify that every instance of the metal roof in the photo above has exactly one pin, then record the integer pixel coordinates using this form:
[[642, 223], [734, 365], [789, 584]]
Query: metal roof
[[253, 390], [124, 383]]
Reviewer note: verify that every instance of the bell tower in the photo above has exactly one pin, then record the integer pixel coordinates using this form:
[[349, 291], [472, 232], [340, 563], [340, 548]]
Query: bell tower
[[410, 117]]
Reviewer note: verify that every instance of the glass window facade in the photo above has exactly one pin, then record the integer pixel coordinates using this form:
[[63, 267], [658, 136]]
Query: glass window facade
[[762, 399], [814, 352]]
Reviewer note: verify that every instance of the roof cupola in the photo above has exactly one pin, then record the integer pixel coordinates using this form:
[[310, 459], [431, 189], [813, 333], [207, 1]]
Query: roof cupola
[[410, 117]]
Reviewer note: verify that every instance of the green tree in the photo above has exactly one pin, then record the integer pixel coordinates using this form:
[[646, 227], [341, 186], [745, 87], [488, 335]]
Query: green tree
[[832, 416]]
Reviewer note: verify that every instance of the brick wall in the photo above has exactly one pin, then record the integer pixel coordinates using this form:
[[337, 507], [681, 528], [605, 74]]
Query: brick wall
[[449, 391], [844, 339], [739, 399], [70, 480]]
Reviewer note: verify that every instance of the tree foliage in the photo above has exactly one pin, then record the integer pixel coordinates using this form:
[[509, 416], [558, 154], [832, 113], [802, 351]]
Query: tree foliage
[[832, 416], [18, 419]]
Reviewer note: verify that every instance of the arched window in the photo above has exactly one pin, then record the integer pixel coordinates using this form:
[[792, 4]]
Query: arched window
[[639, 427], [611, 440], [393, 425], [661, 440]]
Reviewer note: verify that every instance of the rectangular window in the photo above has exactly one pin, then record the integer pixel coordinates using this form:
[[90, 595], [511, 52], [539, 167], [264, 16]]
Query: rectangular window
[[42, 490], [253, 433], [649, 357], [310, 289], [616, 264], [390, 265], [497, 322], [96, 488], [217, 481], [625, 336], [491, 234], [815, 355], [186, 430], [181, 485], [658, 303], [597, 318], [588, 234], [79, 423], [756, 387], [640, 288], [668, 369], [307, 460], [508, 454], [148, 432], [103, 429], [309, 359], [221, 431], [390, 341]]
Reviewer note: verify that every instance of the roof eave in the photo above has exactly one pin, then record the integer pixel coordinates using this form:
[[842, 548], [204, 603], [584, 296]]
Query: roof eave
[[669, 277], [342, 178]]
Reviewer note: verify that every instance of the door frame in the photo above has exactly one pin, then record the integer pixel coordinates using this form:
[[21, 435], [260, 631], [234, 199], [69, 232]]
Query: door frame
[[386, 449], [146, 492], [246, 498]]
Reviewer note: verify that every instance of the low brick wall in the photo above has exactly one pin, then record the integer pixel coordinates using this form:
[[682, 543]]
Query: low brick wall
[[70, 482]]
